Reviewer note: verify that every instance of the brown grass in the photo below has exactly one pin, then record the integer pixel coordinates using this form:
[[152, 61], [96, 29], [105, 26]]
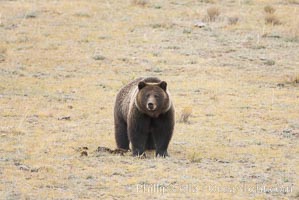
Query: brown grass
[[272, 19], [269, 9]]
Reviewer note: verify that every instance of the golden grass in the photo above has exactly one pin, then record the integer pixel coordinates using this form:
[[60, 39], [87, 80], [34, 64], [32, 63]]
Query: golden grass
[[244, 127]]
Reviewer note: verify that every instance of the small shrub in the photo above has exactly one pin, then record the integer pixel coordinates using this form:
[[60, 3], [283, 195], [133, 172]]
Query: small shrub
[[213, 13], [98, 57], [2, 53], [269, 62], [248, 2], [140, 2], [272, 19], [208, 1], [293, 1], [292, 79], [233, 20], [186, 113], [195, 157], [32, 14], [269, 9], [187, 31], [3, 49], [294, 32], [82, 14]]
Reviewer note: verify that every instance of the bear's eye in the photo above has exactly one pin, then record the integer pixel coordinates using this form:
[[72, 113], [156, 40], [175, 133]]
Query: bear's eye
[[156, 96], [147, 96]]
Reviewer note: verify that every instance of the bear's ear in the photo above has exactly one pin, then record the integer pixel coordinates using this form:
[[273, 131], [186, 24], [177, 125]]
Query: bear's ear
[[163, 85], [141, 85]]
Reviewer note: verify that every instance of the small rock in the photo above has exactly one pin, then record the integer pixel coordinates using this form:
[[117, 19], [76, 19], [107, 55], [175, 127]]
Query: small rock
[[280, 85], [65, 118], [117, 174], [179, 143], [98, 57], [84, 153], [223, 161], [31, 15], [79, 149], [34, 170], [269, 62], [103, 149], [200, 24], [24, 167]]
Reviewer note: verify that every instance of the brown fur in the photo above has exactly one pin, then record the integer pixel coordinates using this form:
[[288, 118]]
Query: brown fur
[[144, 116]]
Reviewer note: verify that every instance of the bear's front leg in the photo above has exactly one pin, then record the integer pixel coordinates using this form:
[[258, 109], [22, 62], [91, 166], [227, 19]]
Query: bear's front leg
[[162, 132], [139, 145], [162, 145], [138, 132]]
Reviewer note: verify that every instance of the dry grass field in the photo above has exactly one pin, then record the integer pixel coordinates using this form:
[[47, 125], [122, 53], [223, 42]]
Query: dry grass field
[[232, 67]]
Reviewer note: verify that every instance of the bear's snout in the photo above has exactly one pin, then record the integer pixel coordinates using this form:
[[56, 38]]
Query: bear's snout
[[151, 106]]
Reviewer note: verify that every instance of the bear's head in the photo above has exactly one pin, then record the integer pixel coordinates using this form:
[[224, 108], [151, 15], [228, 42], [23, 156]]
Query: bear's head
[[153, 98]]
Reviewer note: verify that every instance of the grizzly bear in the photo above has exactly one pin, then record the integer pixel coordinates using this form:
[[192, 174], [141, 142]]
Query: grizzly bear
[[144, 116]]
